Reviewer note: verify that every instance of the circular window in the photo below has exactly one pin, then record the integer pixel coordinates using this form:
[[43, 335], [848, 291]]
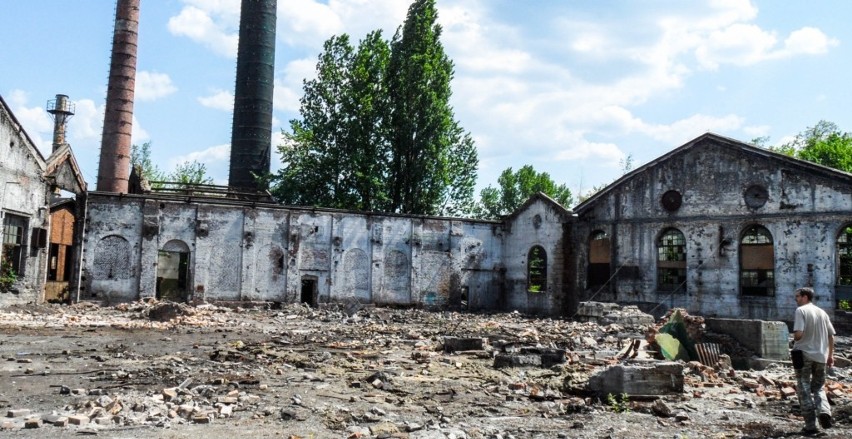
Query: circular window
[[756, 196], [537, 221], [671, 200]]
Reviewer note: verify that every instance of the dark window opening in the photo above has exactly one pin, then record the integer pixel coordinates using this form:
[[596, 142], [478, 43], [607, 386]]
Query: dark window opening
[[537, 270], [757, 262], [309, 291], [465, 298], [53, 268], [14, 251], [173, 276], [671, 261], [844, 257], [599, 257]]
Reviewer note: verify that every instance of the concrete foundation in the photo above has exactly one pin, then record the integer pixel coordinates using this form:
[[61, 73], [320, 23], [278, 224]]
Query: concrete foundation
[[769, 340]]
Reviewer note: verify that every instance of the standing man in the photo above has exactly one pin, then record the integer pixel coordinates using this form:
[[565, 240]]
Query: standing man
[[813, 350]]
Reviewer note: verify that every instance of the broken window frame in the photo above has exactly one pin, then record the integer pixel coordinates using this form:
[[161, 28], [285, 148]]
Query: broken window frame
[[671, 261], [756, 281], [14, 239], [844, 256], [537, 270]]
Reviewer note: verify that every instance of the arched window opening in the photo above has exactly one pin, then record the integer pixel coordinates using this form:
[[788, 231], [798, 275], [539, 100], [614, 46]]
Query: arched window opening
[[537, 270], [671, 261], [599, 257], [757, 262]]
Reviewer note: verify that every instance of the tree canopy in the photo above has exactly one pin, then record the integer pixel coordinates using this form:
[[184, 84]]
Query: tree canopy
[[377, 132], [185, 173], [514, 188], [823, 144]]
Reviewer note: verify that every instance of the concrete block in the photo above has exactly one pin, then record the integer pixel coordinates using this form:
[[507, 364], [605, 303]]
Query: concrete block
[[455, 344], [55, 420], [18, 413], [656, 379], [766, 339], [530, 357], [78, 419]]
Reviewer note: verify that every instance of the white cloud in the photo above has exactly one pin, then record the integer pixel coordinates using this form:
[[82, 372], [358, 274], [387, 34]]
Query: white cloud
[[288, 87], [208, 157], [215, 160], [151, 86], [682, 130], [756, 130], [86, 127], [210, 27], [309, 22], [515, 89], [808, 40], [138, 135], [220, 100], [36, 121]]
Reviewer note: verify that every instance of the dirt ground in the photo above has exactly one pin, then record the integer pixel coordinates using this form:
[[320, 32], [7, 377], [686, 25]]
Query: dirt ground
[[162, 370]]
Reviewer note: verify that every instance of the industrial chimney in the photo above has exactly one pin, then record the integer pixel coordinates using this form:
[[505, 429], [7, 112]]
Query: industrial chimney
[[251, 132], [61, 109], [114, 165]]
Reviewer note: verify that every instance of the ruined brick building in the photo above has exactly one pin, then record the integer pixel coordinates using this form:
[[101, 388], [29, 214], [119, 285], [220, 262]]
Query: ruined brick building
[[732, 239], [29, 184]]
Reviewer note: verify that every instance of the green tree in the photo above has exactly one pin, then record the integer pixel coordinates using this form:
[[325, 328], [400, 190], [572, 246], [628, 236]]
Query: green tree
[[514, 188], [141, 156], [376, 131], [190, 173], [312, 153], [823, 144], [433, 161], [184, 173], [337, 153]]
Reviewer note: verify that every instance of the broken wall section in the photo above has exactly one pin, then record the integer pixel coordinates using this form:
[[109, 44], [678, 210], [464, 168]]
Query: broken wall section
[[535, 231], [711, 195], [241, 253], [24, 211]]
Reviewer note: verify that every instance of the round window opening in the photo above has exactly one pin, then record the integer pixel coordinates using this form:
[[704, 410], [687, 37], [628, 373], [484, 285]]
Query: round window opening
[[756, 196], [671, 200]]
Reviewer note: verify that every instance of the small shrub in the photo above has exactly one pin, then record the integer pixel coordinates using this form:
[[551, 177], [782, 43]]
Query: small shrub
[[7, 276], [618, 404]]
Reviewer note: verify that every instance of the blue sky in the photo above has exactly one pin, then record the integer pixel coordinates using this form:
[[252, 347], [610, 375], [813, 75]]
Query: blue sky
[[569, 87]]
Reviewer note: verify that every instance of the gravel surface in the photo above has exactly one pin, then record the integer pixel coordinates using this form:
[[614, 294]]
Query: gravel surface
[[163, 370]]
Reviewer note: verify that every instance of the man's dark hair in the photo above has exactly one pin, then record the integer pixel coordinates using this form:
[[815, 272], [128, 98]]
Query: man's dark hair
[[806, 291]]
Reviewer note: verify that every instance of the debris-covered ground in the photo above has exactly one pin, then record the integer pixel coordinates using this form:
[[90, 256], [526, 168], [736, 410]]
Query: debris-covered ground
[[162, 370]]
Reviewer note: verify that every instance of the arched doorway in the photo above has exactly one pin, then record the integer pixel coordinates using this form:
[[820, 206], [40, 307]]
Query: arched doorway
[[671, 261], [173, 272], [757, 262], [598, 272]]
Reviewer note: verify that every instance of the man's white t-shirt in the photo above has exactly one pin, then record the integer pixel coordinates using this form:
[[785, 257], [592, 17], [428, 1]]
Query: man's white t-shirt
[[816, 327]]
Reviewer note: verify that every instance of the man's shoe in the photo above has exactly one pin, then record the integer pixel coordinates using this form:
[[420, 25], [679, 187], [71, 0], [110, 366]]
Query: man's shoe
[[810, 431], [824, 420]]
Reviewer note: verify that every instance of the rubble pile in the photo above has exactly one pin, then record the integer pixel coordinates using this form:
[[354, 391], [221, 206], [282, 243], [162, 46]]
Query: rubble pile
[[367, 372]]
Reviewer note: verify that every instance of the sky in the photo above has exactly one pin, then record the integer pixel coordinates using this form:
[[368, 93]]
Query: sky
[[577, 89]]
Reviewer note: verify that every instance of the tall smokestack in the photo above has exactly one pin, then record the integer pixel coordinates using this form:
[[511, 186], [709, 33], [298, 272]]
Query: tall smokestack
[[251, 132], [114, 165], [61, 109]]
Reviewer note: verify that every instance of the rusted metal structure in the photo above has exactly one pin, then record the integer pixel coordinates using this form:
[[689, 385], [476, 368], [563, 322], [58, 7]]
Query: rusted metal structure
[[61, 109], [114, 165], [251, 132]]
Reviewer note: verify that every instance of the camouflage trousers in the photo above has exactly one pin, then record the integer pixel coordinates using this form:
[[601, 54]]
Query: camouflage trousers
[[810, 387]]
